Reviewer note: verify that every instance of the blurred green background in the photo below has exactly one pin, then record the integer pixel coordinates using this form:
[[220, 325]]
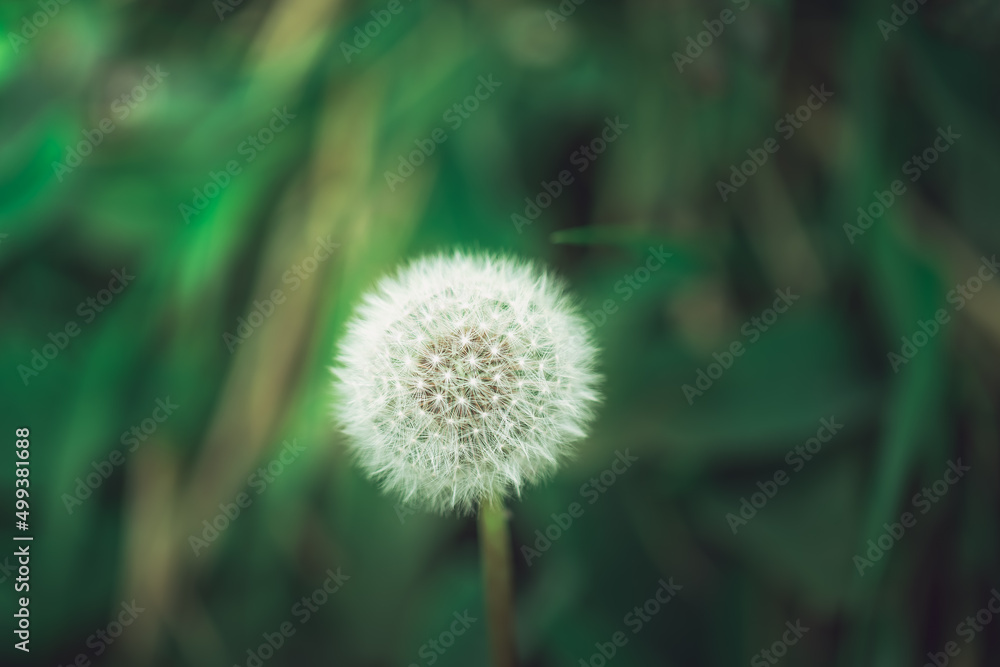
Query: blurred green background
[[233, 163]]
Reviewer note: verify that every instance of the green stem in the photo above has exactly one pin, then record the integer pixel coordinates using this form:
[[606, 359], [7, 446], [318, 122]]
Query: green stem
[[494, 545]]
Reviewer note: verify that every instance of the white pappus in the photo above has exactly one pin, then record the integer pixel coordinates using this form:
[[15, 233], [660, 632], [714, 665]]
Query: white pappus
[[463, 377]]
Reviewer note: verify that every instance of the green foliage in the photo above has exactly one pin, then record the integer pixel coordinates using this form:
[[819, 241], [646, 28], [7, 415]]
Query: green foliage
[[220, 228]]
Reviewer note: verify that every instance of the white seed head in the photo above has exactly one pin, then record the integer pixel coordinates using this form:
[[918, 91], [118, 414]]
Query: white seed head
[[462, 378]]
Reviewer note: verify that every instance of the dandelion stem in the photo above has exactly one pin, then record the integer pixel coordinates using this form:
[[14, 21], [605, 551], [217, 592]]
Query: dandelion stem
[[494, 545]]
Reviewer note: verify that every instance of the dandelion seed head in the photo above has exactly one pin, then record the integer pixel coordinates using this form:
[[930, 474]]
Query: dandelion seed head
[[463, 378]]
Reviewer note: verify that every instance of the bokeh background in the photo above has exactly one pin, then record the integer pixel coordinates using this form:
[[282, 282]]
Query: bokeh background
[[118, 117]]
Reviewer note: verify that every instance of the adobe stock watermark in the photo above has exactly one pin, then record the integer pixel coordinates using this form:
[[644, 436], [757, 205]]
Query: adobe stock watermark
[[121, 108], [31, 25], [302, 611], [260, 480], [249, 149], [796, 458], [581, 158], [900, 14], [697, 44], [455, 116], [779, 649], [381, 18], [915, 167], [432, 650], [132, 438], [928, 329], [752, 329], [967, 630], [924, 500], [403, 511], [7, 569], [563, 11], [591, 490], [786, 126], [635, 620], [223, 7], [88, 309], [103, 638], [294, 277], [629, 285]]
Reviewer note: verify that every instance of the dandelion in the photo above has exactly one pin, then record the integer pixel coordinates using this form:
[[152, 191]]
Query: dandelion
[[462, 379]]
